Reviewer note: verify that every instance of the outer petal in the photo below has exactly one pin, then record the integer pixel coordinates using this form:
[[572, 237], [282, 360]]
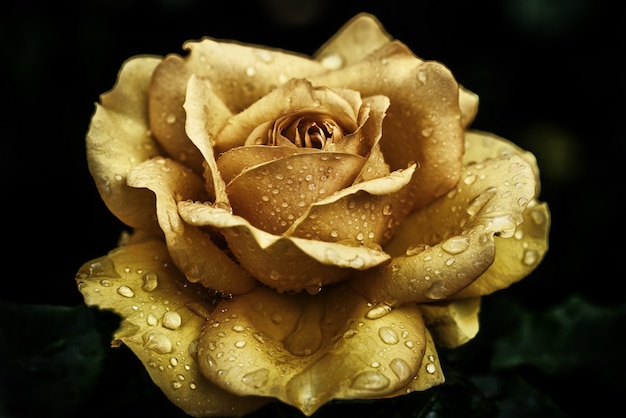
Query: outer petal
[[191, 249], [359, 37], [306, 350], [119, 138], [452, 323], [162, 318], [450, 243], [423, 123], [240, 75], [278, 261]]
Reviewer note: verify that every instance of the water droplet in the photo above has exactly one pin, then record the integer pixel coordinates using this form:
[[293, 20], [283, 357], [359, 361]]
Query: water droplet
[[125, 291], [106, 283], [173, 362], [400, 368], [538, 217], [172, 320], [378, 311], [176, 385], [471, 178], [152, 320], [250, 71], [455, 245], [479, 201], [388, 335], [422, 76], [170, 119], [157, 342], [240, 344], [239, 328], [431, 368], [530, 257], [370, 380], [332, 61], [350, 333], [256, 379], [149, 282]]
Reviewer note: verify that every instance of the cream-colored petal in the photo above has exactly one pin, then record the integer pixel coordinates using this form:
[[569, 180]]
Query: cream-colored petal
[[445, 246], [119, 138], [468, 102], [204, 118], [295, 96], [162, 317], [452, 323], [306, 350], [516, 256], [240, 74], [192, 250], [430, 372], [273, 195], [423, 123], [366, 213], [360, 36], [284, 263]]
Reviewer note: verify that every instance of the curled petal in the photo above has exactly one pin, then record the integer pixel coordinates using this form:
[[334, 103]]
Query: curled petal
[[278, 261], [296, 95], [366, 213], [119, 138], [306, 350], [423, 123], [468, 102], [192, 250], [162, 319], [240, 75], [452, 323], [272, 195], [445, 246], [360, 36]]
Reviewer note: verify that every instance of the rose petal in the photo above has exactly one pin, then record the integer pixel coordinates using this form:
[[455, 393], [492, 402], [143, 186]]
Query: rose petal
[[516, 256], [360, 36], [272, 195], [445, 246], [240, 74], [279, 261], [468, 102], [306, 350], [118, 139], [162, 319], [452, 323], [296, 95], [192, 250], [423, 123], [366, 213]]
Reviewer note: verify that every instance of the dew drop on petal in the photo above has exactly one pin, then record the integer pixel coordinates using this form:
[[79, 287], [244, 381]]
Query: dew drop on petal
[[455, 245], [530, 257], [172, 320], [157, 342], [378, 311], [388, 335], [256, 379], [400, 368], [149, 282], [125, 291], [370, 380]]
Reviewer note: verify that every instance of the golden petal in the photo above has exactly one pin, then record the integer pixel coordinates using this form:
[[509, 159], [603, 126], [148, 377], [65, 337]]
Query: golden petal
[[306, 350], [118, 139], [452, 323], [192, 250], [468, 102], [162, 320], [423, 123], [360, 36], [296, 95], [279, 261], [445, 246], [366, 213], [274, 194], [516, 256]]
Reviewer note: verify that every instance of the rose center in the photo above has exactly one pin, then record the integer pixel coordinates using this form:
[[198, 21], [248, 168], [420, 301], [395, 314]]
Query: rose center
[[304, 130]]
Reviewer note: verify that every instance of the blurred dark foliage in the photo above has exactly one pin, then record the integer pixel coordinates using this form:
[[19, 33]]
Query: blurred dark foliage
[[550, 76]]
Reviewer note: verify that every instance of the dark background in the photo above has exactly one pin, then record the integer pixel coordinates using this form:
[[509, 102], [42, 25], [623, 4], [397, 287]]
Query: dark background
[[550, 77]]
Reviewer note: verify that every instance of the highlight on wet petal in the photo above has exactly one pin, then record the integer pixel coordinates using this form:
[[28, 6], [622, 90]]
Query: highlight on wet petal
[[423, 122], [307, 350], [366, 213], [356, 39], [119, 138], [302, 264], [162, 317], [192, 250], [452, 323], [447, 245]]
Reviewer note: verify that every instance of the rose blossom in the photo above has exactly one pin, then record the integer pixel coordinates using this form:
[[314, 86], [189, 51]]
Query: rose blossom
[[304, 228]]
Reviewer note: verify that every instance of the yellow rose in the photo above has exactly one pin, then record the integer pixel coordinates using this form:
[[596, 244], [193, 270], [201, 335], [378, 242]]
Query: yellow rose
[[304, 228]]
